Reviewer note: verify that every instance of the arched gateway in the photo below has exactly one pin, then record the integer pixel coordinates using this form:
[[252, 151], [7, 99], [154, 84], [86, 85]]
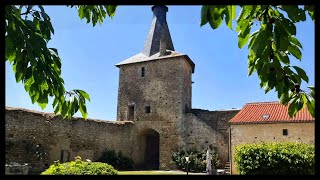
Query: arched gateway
[[149, 143]]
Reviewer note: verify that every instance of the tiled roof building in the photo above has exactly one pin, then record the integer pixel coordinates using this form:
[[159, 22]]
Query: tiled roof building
[[269, 122], [269, 112]]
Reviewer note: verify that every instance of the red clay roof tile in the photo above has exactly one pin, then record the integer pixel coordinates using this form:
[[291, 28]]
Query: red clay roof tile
[[274, 112]]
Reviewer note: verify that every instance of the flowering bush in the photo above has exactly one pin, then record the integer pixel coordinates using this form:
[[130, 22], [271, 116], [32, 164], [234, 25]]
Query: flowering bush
[[79, 167]]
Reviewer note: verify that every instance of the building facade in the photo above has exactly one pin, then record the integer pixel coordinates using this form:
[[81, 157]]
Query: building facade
[[269, 122]]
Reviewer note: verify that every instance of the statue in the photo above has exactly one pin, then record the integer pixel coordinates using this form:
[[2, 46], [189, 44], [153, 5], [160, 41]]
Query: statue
[[210, 167]]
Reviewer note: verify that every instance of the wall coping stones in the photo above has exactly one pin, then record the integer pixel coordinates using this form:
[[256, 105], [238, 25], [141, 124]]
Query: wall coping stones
[[49, 116]]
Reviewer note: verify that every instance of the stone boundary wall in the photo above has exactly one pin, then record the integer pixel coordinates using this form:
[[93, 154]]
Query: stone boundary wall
[[198, 135], [39, 138], [218, 120], [16, 169]]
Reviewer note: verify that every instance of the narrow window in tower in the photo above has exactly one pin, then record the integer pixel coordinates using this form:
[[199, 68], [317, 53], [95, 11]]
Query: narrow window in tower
[[142, 72], [147, 109], [62, 156], [186, 109], [131, 113], [285, 132]]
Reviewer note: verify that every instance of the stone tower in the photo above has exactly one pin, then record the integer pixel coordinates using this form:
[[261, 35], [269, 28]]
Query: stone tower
[[155, 92]]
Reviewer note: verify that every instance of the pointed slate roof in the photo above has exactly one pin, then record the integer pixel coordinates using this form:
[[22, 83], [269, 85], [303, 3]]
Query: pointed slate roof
[[142, 58], [159, 29]]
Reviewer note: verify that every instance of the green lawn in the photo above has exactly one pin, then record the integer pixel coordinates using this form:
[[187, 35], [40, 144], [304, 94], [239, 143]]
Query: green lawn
[[153, 173]]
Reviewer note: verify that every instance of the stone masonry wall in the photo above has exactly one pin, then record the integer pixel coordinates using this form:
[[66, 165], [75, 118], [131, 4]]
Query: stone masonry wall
[[198, 135], [16, 169], [28, 132], [217, 120], [204, 127]]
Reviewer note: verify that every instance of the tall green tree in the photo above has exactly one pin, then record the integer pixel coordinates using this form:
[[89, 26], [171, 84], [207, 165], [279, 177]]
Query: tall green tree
[[270, 47], [28, 30]]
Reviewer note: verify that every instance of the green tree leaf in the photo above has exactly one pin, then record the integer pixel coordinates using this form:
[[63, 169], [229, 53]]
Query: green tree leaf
[[312, 93], [35, 97], [295, 41], [260, 43], [310, 104], [10, 53], [42, 105], [76, 105], [84, 94], [294, 12], [295, 51], [230, 15], [242, 40], [301, 73], [64, 109], [310, 10], [292, 110], [204, 14], [111, 10], [83, 109], [252, 39], [216, 16], [81, 12], [283, 57], [55, 102], [288, 26]]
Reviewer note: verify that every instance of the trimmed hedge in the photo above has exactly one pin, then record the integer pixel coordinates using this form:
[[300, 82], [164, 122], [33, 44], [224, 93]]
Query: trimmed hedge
[[197, 159], [282, 158], [117, 160], [79, 167]]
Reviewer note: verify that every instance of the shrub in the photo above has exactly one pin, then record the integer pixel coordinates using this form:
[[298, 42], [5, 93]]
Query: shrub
[[197, 159], [117, 160], [284, 158], [79, 167]]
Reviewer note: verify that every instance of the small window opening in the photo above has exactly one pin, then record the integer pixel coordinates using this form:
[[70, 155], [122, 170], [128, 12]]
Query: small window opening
[[147, 109], [131, 113], [61, 156], [186, 108], [142, 72], [285, 132]]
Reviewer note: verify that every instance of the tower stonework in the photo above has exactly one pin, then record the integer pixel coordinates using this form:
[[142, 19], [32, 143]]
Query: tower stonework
[[154, 92]]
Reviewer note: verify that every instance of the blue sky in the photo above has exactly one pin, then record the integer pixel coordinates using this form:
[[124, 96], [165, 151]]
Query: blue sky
[[89, 54]]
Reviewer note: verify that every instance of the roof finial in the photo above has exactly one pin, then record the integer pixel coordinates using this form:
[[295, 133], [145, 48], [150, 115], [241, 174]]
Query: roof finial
[[158, 30], [163, 47]]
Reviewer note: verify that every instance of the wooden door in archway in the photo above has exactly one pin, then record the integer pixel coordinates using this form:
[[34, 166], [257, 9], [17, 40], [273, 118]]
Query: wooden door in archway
[[152, 151]]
